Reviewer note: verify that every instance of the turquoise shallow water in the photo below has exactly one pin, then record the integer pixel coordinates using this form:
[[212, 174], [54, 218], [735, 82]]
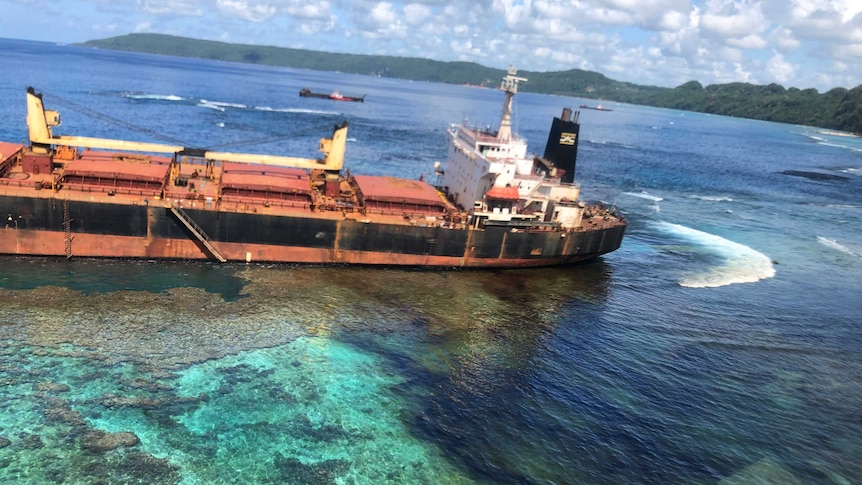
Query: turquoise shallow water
[[329, 395], [720, 344], [263, 416]]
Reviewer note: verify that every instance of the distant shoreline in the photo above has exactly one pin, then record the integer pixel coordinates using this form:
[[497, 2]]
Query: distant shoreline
[[837, 109]]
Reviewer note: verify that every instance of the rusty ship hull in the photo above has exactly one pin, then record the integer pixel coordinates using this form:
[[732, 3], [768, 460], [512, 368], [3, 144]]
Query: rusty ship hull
[[72, 196], [37, 226]]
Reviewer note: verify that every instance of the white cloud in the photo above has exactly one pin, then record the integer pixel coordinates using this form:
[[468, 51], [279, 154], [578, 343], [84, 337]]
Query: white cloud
[[819, 19], [783, 38], [673, 20], [610, 17], [110, 28], [461, 30], [318, 10], [732, 19], [647, 14], [382, 14], [779, 69], [253, 12], [660, 42], [317, 26], [463, 50], [415, 14], [143, 27], [752, 41], [740, 74], [848, 8], [170, 7]]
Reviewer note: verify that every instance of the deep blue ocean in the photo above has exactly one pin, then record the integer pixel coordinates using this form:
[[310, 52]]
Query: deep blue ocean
[[722, 344]]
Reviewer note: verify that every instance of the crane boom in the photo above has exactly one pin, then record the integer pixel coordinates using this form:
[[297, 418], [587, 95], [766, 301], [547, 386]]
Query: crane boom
[[40, 122]]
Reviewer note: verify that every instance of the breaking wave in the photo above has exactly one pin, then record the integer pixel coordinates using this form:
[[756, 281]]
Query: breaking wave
[[157, 97], [220, 104], [224, 105], [836, 139], [741, 264], [852, 170], [711, 198], [644, 195], [831, 243], [297, 110], [211, 106]]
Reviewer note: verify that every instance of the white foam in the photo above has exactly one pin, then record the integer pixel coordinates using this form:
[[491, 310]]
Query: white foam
[[741, 264], [205, 104], [838, 145], [831, 243], [296, 110], [711, 198], [223, 104], [644, 195], [159, 97]]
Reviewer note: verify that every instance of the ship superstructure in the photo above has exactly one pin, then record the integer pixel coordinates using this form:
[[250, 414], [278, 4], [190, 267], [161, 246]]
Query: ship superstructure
[[490, 174], [94, 197]]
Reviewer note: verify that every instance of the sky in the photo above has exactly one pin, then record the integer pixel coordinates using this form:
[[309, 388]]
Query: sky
[[794, 43]]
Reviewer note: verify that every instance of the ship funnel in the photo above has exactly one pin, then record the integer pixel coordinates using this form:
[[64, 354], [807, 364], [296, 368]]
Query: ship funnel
[[562, 147]]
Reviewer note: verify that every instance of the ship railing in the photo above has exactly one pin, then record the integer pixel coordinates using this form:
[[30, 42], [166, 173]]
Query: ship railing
[[227, 199], [110, 190], [228, 202], [21, 183], [402, 212], [529, 225], [593, 223]]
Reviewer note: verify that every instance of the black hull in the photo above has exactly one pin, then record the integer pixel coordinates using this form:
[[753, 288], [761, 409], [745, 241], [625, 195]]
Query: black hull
[[53, 226]]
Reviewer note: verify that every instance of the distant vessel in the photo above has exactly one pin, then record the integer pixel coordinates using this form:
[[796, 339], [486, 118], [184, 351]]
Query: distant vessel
[[494, 206], [597, 107], [335, 96]]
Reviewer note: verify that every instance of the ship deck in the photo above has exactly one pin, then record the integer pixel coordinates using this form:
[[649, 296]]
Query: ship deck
[[266, 190], [142, 180]]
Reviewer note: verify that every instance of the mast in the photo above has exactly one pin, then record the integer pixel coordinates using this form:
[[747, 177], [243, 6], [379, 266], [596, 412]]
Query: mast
[[510, 87]]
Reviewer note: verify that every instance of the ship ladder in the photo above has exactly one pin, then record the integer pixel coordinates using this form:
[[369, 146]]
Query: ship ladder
[[67, 228], [196, 231]]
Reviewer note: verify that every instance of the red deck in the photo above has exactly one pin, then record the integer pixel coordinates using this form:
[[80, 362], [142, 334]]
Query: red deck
[[106, 168], [258, 178], [390, 194], [393, 189], [8, 150]]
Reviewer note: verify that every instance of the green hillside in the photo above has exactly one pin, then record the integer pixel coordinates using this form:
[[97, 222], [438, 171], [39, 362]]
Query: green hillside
[[839, 108]]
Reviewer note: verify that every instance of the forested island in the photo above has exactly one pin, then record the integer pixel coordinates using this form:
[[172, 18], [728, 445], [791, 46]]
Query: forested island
[[838, 108]]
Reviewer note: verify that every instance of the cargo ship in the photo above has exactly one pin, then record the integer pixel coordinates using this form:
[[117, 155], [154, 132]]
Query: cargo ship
[[494, 206]]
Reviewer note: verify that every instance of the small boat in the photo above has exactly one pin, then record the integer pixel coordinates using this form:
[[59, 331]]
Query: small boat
[[597, 107], [335, 96]]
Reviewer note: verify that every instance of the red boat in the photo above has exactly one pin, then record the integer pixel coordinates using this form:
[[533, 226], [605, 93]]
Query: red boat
[[335, 96]]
